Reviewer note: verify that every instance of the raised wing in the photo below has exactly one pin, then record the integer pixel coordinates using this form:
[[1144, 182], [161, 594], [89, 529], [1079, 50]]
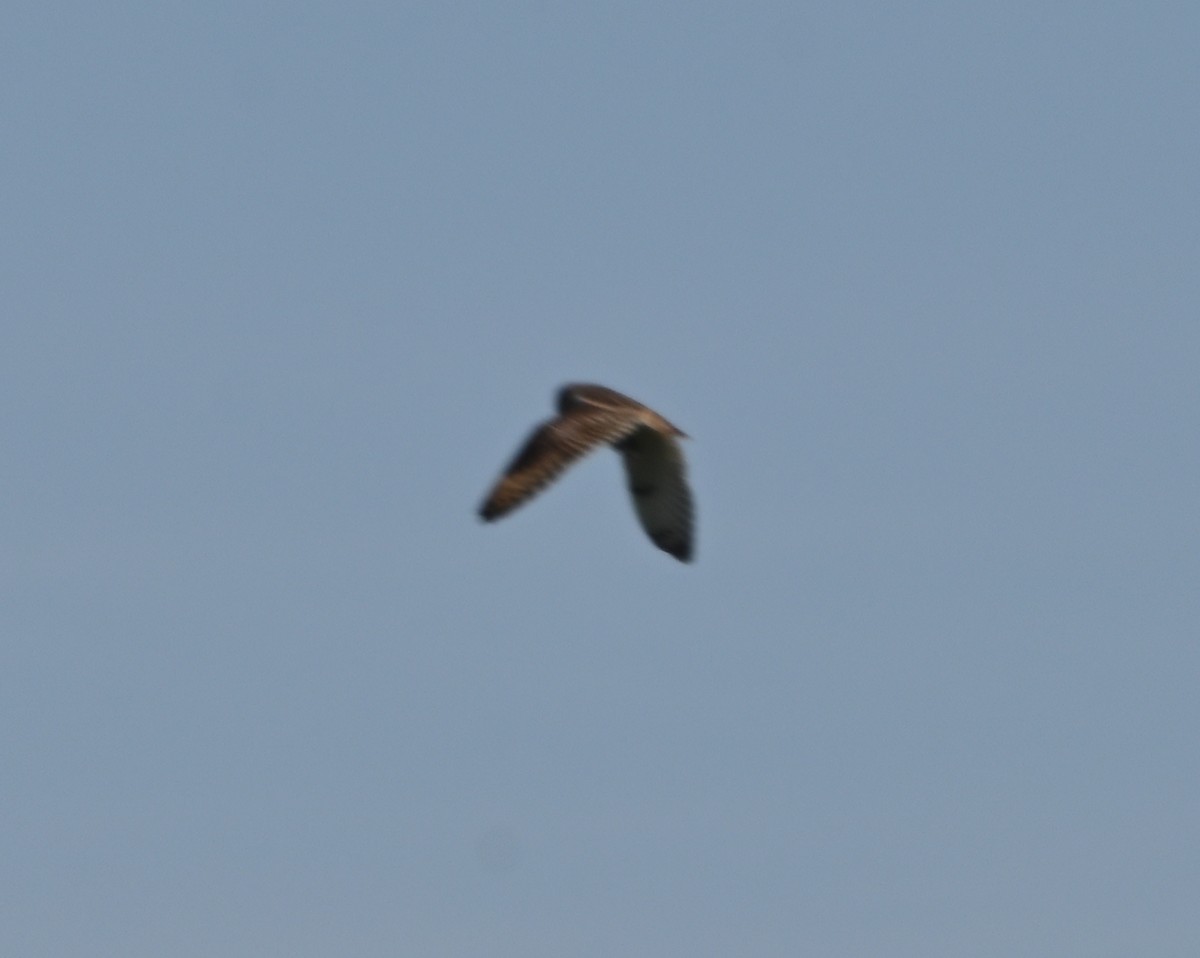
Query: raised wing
[[552, 447], [657, 474]]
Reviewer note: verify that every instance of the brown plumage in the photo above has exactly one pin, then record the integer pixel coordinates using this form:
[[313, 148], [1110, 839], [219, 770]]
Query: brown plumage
[[590, 416]]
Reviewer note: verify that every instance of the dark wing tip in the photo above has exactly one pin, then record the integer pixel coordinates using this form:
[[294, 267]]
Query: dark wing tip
[[681, 549], [499, 503]]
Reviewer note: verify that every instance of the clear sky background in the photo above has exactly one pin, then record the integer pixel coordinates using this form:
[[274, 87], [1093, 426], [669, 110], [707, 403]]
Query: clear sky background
[[285, 284]]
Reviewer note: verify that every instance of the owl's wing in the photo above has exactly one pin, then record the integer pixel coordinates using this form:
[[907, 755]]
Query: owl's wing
[[657, 474], [552, 447]]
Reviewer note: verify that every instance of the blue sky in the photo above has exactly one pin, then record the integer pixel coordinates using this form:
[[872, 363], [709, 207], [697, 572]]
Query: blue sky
[[286, 284]]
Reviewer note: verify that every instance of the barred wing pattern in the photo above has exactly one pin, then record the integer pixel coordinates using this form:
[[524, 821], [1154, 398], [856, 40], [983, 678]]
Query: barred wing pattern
[[553, 446]]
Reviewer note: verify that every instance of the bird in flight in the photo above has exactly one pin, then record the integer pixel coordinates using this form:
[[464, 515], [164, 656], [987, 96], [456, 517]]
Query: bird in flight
[[590, 416]]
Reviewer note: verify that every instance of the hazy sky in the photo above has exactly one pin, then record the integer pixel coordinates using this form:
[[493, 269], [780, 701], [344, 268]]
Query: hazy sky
[[286, 283]]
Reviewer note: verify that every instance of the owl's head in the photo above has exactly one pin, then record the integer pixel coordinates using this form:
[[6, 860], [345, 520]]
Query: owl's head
[[567, 399]]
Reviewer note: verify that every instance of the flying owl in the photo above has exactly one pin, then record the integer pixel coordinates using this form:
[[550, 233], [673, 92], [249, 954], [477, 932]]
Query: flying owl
[[589, 416]]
